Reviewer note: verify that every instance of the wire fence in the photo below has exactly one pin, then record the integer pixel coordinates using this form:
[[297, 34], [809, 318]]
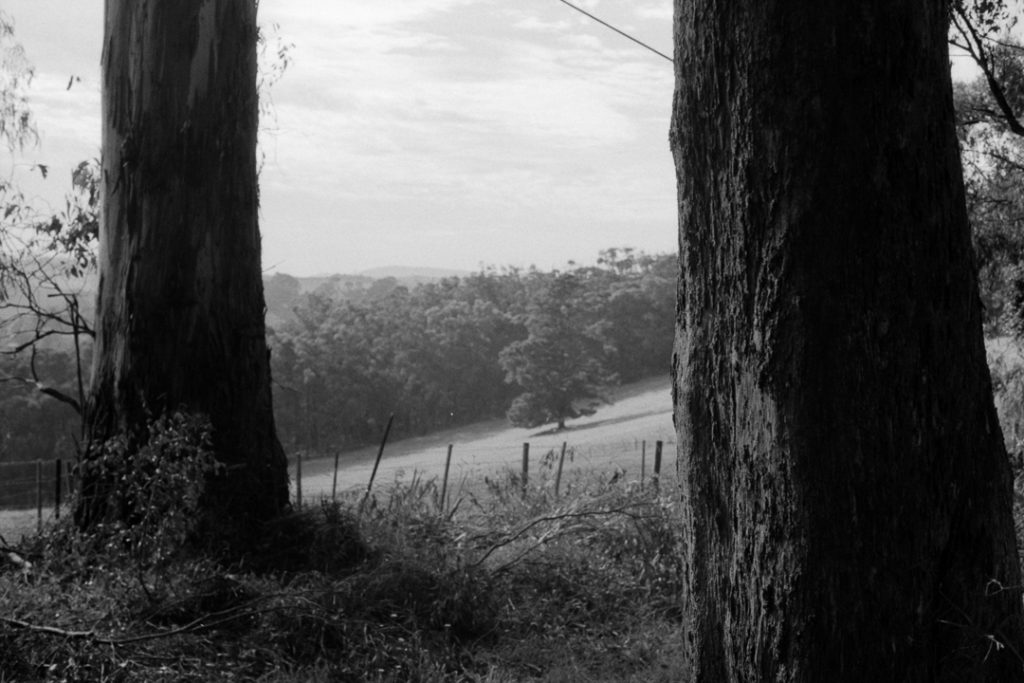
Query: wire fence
[[29, 483], [315, 477], [32, 492]]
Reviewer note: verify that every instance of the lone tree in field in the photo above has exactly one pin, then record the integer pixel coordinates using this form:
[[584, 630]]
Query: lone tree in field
[[561, 365], [846, 491], [180, 310]]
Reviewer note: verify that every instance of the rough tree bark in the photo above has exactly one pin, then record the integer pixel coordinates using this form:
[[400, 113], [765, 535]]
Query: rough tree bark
[[847, 493], [180, 313]]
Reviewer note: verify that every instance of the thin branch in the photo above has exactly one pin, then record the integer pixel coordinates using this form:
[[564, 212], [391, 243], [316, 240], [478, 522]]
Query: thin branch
[[199, 624], [48, 391], [51, 630], [31, 344], [975, 46]]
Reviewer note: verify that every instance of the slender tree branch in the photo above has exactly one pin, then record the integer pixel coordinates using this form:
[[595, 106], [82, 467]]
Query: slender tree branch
[[48, 391], [974, 44], [205, 622]]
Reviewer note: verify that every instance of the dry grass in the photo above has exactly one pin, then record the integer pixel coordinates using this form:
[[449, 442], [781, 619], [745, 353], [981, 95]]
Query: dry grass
[[509, 587]]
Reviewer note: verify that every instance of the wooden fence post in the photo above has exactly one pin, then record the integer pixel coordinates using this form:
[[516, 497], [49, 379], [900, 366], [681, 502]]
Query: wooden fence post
[[39, 495], [298, 479], [444, 482], [526, 466], [56, 488], [643, 462], [69, 480], [376, 463], [334, 483], [656, 479], [558, 477]]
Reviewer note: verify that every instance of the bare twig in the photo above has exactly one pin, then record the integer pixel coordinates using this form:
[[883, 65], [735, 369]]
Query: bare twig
[[48, 391], [206, 621], [546, 536]]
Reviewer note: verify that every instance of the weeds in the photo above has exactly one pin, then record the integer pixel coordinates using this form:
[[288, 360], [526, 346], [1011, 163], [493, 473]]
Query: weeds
[[507, 585]]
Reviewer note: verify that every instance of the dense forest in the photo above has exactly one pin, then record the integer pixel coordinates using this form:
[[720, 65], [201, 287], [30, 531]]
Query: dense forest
[[354, 350], [449, 352]]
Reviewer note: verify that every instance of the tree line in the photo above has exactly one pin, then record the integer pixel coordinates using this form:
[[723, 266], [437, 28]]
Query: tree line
[[539, 346]]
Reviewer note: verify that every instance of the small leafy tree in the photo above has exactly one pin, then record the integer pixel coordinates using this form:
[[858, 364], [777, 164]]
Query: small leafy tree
[[46, 258], [562, 364], [47, 266], [16, 124]]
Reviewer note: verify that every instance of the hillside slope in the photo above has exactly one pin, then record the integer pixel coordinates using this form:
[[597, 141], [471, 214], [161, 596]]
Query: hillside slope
[[611, 438]]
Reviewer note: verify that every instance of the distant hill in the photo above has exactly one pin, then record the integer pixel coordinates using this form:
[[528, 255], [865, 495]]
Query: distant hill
[[284, 292], [417, 273]]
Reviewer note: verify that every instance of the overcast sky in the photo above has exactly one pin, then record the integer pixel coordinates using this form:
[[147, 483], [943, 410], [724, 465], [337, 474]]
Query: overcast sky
[[447, 133]]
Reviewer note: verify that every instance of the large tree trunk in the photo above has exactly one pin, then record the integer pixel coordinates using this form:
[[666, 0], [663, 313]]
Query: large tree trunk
[[180, 316], [847, 492]]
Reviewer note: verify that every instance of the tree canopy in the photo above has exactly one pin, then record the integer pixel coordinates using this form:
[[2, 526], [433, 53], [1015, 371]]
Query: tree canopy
[[562, 365], [346, 357]]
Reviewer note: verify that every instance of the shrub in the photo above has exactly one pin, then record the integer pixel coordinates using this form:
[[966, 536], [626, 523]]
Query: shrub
[[154, 486]]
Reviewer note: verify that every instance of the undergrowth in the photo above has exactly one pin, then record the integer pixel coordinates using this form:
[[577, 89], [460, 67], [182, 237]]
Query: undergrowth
[[1007, 371], [507, 583]]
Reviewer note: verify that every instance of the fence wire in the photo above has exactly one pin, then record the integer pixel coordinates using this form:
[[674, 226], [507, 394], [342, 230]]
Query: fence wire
[[632, 461], [28, 489]]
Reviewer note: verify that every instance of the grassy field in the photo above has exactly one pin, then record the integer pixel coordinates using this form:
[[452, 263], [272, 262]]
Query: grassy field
[[505, 583], [609, 440], [17, 523]]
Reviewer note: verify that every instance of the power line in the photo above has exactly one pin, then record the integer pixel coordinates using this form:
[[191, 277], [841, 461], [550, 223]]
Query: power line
[[621, 33]]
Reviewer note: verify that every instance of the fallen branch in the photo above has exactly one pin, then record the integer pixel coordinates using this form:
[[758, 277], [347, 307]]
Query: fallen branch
[[199, 624], [51, 630]]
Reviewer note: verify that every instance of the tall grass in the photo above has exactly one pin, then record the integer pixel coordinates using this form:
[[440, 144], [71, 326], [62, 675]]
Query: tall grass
[[500, 584]]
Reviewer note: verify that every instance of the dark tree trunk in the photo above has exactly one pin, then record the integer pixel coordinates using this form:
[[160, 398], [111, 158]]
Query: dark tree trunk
[[847, 493], [180, 317]]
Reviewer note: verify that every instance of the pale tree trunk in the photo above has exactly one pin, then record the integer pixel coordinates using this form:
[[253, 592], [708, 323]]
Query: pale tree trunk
[[846, 490], [180, 315]]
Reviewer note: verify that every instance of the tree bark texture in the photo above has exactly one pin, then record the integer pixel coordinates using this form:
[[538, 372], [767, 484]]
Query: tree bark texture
[[180, 315], [846, 491]]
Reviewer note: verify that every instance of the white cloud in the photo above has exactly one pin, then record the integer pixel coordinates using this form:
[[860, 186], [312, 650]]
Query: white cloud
[[451, 132], [661, 11], [530, 22]]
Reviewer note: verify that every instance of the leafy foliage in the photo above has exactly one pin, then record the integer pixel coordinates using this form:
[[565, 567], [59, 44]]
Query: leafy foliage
[[353, 355], [992, 156], [74, 233], [45, 262], [518, 586], [982, 29], [562, 365], [154, 486], [16, 125]]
